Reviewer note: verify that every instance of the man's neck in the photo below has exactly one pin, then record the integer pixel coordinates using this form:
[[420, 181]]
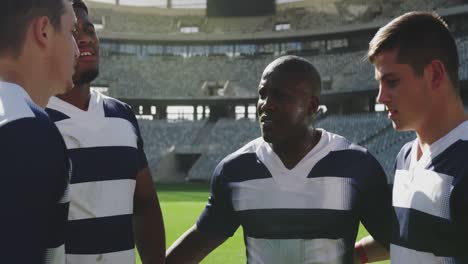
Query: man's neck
[[443, 120], [78, 96], [15, 72], [291, 153]]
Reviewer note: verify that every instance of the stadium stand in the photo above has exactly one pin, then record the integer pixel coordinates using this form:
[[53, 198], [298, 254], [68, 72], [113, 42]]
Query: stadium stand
[[144, 55], [226, 136], [174, 76], [130, 76], [355, 127], [161, 137], [371, 130], [462, 44], [305, 15]]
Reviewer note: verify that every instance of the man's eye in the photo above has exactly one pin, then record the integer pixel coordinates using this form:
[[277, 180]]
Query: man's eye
[[393, 83]]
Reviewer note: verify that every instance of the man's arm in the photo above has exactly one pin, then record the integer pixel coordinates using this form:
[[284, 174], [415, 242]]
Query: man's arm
[[372, 250], [148, 223], [192, 247], [34, 178], [377, 215]]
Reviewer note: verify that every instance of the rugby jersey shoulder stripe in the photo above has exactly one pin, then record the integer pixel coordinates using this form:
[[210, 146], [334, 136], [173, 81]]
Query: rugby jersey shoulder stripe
[[245, 158], [452, 161], [55, 115], [14, 103], [114, 108], [358, 162], [403, 158]]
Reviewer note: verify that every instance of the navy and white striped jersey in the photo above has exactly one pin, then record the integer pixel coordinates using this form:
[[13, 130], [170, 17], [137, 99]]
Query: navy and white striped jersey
[[430, 198], [106, 149], [308, 214], [35, 175]]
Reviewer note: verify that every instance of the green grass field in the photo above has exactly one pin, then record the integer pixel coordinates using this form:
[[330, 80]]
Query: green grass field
[[182, 204]]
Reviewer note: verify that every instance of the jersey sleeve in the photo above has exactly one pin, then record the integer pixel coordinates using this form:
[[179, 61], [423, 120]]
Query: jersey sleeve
[[219, 217], [459, 204], [376, 210], [142, 160], [34, 179]]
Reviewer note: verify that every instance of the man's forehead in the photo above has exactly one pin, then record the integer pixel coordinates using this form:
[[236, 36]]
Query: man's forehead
[[386, 62], [386, 57]]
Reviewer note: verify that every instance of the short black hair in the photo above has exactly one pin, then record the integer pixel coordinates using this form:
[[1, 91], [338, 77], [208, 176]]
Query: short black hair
[[17, 15], [301, 70]]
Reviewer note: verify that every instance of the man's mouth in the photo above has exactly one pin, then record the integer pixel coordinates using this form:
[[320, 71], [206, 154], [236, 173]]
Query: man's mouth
[[266, 121], [392, 112], [86, 54]]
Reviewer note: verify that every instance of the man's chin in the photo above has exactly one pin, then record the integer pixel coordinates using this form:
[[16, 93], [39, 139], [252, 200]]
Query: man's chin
[[268, 138], [65, 88], [398, 126], [85, 77]]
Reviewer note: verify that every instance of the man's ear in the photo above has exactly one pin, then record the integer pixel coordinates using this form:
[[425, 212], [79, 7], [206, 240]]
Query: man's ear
[[42, 31], [437, 72], [313, 105]]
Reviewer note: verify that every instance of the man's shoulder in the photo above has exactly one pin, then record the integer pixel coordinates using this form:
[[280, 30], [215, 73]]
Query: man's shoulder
[[26, 119], [343, 146], [248, 151], [403, 157], [243, 158], [116, 108], [343, 158], [15, 107]]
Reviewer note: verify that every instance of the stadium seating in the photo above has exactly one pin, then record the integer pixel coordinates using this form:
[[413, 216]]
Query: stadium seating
[[370, 130], [131, 76], [355, 127], [306, 16], [161, 137], [130, 71], [226, 136], [172, 76], [462, 44]]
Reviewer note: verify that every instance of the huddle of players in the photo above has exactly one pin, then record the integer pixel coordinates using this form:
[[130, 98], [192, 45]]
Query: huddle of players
[[82, 193]]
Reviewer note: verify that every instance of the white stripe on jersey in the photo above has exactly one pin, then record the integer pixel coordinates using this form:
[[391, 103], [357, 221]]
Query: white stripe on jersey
[[77, 135], [316, 193], [423, 190], [401, 255], [306, 251], [101, 199], [127, 256], [13, 104], [55, 255]]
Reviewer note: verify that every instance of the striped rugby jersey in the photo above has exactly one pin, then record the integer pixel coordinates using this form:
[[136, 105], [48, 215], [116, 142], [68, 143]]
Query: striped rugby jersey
[[309, 214], [430, 198], [35, 173], [106, 149]]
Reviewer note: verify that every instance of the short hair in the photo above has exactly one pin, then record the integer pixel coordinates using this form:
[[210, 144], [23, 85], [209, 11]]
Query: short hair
[[419, 37], [17, 15], [80, 5], [301, 70]]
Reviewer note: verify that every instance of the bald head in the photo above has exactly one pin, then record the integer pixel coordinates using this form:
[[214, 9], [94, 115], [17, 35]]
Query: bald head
[[296, 70]]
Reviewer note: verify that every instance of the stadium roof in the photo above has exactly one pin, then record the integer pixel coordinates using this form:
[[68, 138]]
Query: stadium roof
[[175, 3]]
